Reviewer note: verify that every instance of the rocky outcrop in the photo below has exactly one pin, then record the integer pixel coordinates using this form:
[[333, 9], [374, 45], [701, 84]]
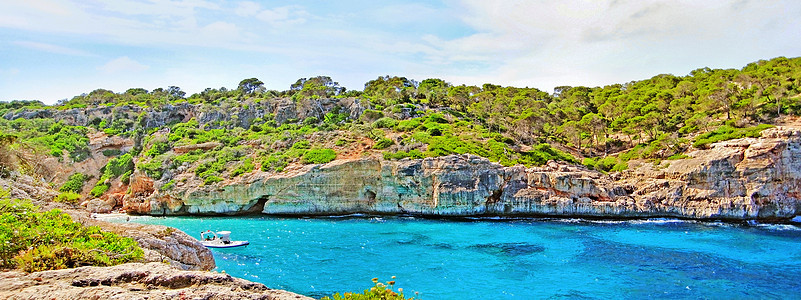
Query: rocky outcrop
[[193, 147], [163, 244], [133, 281], [751, 178]]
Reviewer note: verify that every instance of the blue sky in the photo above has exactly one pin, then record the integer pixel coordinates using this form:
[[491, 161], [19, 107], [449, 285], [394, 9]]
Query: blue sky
[[56, 49]]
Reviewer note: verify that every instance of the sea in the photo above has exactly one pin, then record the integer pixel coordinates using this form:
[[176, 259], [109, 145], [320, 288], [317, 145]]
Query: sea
[[499, 258]]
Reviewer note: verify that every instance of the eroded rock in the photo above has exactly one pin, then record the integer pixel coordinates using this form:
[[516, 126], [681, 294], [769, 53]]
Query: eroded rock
[[133, 281], [751, 178]]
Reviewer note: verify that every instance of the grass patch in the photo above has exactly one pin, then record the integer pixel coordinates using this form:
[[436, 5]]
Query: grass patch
[[318, 156]]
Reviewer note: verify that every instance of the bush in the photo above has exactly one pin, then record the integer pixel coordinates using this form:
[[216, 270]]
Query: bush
[[370, 115], [246, 167], [153, 168], [212, 179], [99, 189], [74, 183], [157, 149], [311, 121], [318, 156], [68, 197], [275, 162], [409, 125], [413, 154], [385, 123], [126, 178], [167, 186], [119, 165], [304, 144], [111, 152], [379, 291], [383, 143], [38, 241], [438, 118]]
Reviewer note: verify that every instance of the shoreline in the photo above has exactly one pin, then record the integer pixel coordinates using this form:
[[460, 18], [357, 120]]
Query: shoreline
[[111, 217]]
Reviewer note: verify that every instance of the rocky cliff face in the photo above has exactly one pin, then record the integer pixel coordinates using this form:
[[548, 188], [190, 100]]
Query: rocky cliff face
[[751, 178], [133, 281]]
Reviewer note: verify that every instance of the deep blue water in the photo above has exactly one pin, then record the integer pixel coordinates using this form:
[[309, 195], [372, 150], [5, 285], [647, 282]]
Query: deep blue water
[[511, 259]]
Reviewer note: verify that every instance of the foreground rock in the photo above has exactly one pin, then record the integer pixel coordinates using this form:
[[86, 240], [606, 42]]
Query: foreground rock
[[163, 244], [751, 178], [133, 281]]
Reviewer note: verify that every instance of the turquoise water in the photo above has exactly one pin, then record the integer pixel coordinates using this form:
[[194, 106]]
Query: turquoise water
[[511, 259]]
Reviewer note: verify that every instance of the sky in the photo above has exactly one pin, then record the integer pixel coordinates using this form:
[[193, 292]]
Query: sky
[[57, 49]]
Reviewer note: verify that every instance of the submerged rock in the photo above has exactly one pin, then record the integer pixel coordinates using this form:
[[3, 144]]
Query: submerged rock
[[133, 281]]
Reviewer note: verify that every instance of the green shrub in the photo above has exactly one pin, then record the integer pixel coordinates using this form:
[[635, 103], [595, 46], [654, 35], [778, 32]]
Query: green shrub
[[212, 179], [408, 125], [275, 162], [111, 152], [318, 156], [167, 186], [677, 156], [99, 189], [311, 121], [379, 291], [126, 177], [383, 143], [68, 197], [413, 154], [74, 183], [369, 115], [157, 149], [189, 157], [542, 153], [385, 122], [304, 144], [118, 166], [38, 241], [153, 168], [590, 162], [246, 167], [437, 118]]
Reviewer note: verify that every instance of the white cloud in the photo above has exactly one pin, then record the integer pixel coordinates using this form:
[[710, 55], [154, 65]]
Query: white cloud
[[122, 65], [600, 42], [247, 9], [219, 30], [282, 16], [51, 48]]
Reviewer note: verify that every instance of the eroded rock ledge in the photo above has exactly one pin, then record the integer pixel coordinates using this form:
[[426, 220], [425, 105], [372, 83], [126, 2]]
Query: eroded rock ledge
[[133, 281], [750, 178]]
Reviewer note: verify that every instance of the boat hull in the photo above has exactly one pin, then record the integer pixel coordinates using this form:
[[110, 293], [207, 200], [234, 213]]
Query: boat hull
[[218, 244]]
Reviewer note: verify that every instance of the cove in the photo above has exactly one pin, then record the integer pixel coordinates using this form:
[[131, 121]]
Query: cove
[[510, 258]]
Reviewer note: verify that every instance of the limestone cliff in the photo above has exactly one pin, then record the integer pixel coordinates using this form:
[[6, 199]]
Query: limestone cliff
[[750, 178]]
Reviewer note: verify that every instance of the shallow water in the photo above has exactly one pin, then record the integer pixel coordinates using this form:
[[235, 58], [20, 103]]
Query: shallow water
[[510, 259]]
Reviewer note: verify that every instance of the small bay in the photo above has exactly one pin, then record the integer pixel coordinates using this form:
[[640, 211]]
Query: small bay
[[510, 259]]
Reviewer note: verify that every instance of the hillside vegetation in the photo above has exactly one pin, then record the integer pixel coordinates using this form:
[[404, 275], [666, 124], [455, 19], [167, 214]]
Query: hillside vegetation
[[246, 129]]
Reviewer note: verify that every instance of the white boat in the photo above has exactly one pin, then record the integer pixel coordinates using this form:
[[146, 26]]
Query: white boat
[[220, 239]]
